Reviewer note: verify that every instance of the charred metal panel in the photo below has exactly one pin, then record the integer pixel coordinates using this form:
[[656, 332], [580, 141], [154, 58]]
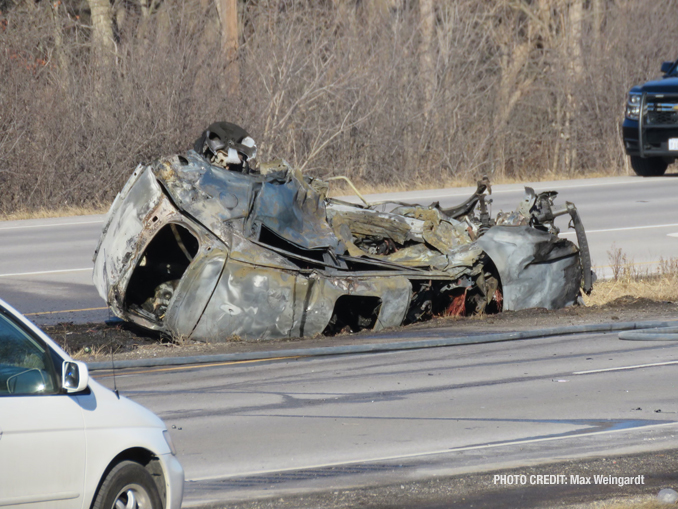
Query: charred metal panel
[[252, 302], [194, 292], [216, 198], [536, 268], [394, 293], [293, 210], [263, 303], [124, 234], [419, 255], [257, 255]]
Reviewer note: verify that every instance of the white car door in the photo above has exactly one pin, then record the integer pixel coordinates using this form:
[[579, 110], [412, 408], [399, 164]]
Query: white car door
[[42, 439]]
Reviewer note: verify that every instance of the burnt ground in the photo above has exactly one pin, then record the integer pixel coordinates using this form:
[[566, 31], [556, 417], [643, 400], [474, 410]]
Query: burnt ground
[[96, 341]]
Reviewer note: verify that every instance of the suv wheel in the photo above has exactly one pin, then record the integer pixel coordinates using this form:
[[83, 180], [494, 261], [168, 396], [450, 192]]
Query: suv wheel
[[648, 167], [128, 486]]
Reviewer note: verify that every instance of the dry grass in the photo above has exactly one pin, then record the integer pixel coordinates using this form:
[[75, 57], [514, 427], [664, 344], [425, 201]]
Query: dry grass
[[630, 279], [61, 212], [91, 352]]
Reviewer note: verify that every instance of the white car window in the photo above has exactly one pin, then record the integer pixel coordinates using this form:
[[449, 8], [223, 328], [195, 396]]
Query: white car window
[[25, 363]]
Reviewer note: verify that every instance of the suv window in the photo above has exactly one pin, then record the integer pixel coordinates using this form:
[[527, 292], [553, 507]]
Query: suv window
[[25, 363]]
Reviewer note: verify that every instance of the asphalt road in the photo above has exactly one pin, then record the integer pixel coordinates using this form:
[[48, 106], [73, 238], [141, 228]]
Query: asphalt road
[[256, 429], [296, 425], [45, 264]]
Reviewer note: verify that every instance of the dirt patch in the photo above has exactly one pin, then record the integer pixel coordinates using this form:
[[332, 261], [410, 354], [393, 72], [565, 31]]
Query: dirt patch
[[118, 340]]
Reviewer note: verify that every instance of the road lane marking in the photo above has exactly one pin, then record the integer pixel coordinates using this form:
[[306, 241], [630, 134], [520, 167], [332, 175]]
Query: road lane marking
[[669, 363], [40, 273], [119, 373], [673, 225], [430, 453], [47, 225], [672, 234], [64, 311]]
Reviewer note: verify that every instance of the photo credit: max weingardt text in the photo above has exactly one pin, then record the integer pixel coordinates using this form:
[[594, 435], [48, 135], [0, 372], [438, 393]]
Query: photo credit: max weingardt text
[[544, 479]]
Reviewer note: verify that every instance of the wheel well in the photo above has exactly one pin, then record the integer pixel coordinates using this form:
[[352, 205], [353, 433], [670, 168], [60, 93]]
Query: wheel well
[[146, 459]]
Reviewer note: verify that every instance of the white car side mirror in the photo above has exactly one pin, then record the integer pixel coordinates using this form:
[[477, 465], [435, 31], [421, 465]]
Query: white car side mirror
[[75, 376]]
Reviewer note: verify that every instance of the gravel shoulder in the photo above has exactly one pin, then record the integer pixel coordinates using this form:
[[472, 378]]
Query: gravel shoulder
[[101, 341]]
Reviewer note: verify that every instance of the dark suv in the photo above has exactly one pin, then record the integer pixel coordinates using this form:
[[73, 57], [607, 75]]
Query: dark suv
[[651, 138]]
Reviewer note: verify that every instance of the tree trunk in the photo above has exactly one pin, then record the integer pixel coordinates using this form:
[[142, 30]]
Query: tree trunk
[[102, 30], [146, 7], [228, 15], [427, 70], [62, 58], [597, 6], [576, 68], [511, 88], [575, 38]]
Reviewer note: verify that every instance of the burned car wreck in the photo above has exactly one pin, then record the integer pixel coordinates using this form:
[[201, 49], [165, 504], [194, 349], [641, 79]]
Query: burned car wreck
[[196, 251]]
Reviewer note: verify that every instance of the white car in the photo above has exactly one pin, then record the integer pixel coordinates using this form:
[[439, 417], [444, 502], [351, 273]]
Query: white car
[[67, 442]]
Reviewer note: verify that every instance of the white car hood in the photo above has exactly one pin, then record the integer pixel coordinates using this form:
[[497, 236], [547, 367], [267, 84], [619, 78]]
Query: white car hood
[[112, 412]]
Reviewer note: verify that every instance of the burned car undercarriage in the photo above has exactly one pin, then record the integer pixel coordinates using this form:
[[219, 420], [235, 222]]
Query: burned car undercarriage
[[196, 251]]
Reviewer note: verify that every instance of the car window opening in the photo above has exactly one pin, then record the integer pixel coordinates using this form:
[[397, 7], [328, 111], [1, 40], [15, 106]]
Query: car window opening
[[367, 265], [159, 271], [352, 314], [266, 236]]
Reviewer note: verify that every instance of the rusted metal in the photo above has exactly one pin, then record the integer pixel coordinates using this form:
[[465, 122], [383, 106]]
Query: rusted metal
[[194, 250]]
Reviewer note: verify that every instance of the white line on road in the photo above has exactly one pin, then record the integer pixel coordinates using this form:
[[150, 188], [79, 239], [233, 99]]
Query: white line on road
[[431, 453], [673, 225], [45, 272], [625, 367], [48, 225]]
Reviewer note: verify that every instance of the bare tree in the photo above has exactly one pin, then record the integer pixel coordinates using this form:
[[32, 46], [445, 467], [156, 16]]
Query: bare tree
[[426, 57], [228, 15], [102, 29], [598, 15], [514, 53], [573, 57], [530, 88]]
